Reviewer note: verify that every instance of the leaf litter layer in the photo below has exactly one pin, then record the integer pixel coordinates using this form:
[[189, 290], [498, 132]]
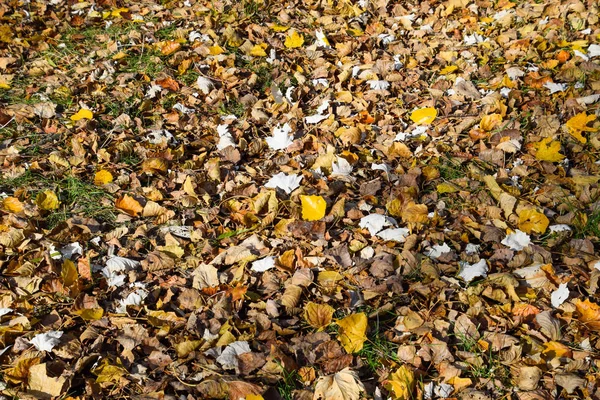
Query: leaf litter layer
[[311, 200]]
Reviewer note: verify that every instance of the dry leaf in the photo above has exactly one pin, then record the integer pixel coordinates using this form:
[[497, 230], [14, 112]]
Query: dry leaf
[[47, 200], [344, 385], [318, 315], [423, 116], [352, 332], [102, 177], [129, 205]]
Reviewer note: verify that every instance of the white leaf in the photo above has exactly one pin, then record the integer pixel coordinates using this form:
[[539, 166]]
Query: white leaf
[[517, 241], [46, 341], [593, 50], [514, 73], [473, 39], [135, 298], [152, 91], [4, 311], [471, 271], [581, 55], [229, 357], [342, 167], [383, 167], [115, 268], [437, 250], [472, 248], [375, 223], [281, 138], [597, 265], [443, 390], [204, 84], [555, 87], [225, 138], [264, 264], [183, 109], [395, 234], [378, 84], [320, 81], [315, 119], [344, 385], [287, 183], [72, 249], [321, 39], [158, 136], [559, 228], [560, 295]]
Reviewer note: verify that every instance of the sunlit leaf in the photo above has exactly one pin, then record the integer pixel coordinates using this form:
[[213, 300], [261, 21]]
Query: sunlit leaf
[[531, 220], [294, 40], [47, 200], [318, 315], [12, 204], [84, 113], [352, 332], [423, 116], [313, 207], [90, 314], [578, 124], [129, 205], [401, 383], [548, 150], [490, 122], [102, 177]]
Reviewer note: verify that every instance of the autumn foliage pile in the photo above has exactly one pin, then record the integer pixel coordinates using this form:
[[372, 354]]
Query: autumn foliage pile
[[300, 200]]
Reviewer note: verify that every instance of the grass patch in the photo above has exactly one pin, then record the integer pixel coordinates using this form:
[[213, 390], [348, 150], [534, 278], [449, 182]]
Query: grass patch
[[76, 197], [588, 226], [378, 351], [287, 385]]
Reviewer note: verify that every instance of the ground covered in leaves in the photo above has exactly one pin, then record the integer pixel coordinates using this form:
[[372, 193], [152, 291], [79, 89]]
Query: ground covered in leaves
[[299, 200]]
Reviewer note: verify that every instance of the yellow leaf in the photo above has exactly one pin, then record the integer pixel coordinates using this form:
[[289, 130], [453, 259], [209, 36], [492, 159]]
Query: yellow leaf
[[215, 50], [117, 11], [313, 207], [90, 314], [414, 213], [531, 220], [490, 122], [578, 124], [129, 205], [47, 200], [258, 50], [12, 204], [294, 40], [154, 165], [424, 116], [353, 332], [102, 177], [279, 28], [401, 383], [448, 70], [69, 273], [254, 397], [446, 187], [318, 315], [548, 150], [106, 372], [84, 113]]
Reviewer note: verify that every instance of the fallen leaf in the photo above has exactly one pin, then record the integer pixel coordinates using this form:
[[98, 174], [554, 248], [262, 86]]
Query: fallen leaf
[[102, 177], [589, 314], [83, 113], [578, 124], [318, 315], [423, 116], [401, 383], [293, 40], [47, 200], [531, 220], [343, 385], [352, 332], [129, 205], [12, 204], [313, 207], [548, 150]]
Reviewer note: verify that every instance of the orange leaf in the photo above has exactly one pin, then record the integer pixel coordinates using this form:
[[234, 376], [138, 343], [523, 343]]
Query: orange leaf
[[170, 47], [168, 83], [129, 205], [589, 314]]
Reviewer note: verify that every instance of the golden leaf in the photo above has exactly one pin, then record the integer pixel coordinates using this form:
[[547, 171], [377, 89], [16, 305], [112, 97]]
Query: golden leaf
[[170, 47], [154, 166], [589, 314], [129, 205], [424, 116], [102, 177], [90, 314], [578, 124], [107, 372], [318, 315], [531, 220], [47, 200], [556, 349], [416, 213], [490, 122], [294, 40], [12, 204], [215, 50], [258, 50], [279, 28], [313, 207], [401, 383], [84, 113], [446, 187], [353, 332], [548, 150]]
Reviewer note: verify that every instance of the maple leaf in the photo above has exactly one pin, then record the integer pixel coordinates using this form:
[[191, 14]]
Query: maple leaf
[[548, 150], [352, 332], [294, 40], [578, 124], [343, 385]]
